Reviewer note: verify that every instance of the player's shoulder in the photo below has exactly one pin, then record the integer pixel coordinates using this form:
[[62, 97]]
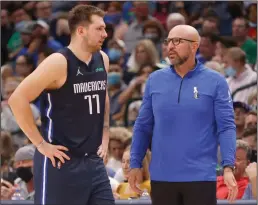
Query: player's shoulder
[[54, 63], [56, 58], [104, 54], [105, 59]]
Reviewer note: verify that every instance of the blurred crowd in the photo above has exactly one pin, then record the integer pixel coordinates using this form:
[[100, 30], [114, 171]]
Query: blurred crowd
[[33, 30]]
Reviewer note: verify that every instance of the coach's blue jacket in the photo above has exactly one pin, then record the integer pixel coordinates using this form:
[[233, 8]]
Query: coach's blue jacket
[[186, 118]]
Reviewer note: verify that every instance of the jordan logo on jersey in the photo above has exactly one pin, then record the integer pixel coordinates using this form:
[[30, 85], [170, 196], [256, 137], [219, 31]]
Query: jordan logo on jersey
[[79, 72]]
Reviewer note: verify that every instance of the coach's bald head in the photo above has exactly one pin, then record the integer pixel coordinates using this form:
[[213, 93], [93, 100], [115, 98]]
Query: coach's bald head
[[183, 42]]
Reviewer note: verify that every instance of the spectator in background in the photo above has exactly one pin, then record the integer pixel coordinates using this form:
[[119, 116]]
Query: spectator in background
[[222, 46], [243, 155], [6, 72], [239, 74], [252, 18], [251, 119], [16, 45], [44, 53], [43, 10], [124, 190], [207, 47], [134, 32], [115, 87], [24, 169], [162, 12], [10, 84], [7, 190], [118, 136], [8, 121], [114, 184], [39, 37], [114, 14], [62, 32], [179, 7], [175, 19], [153, 31], [24, 66], [251, 172], [252, 101], [134, 107], [116, 52], [210, 25], [17, 14], [134, 90], [110, 35], [240, 28], [144, 53], [215, 66], [29, 7], [164, 57], [6, 33], [241, 109], [250, 136], [7, 150]]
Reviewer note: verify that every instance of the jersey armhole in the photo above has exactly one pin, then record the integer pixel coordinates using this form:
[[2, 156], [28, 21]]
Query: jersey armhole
[[102, 60], [67, 73]]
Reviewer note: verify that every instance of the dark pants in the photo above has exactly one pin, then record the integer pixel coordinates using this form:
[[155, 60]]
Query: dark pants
[[183, 193], [81, 180]]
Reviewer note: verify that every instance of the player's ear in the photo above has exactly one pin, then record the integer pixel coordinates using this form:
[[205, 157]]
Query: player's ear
[[81, 30]]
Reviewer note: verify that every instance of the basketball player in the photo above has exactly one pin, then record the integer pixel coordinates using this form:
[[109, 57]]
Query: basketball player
[[69, 168]]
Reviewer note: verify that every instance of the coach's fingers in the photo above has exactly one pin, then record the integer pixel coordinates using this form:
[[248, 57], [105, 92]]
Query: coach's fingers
[[64, 155], [60, 147], [53, 161], [229, 195], [133, 184], [234, 194]]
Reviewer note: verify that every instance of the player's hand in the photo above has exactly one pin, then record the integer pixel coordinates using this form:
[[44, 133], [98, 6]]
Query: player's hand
[[135, 178], [7, 190], [251, 170], [103, 149], [52, 151], [231, 184]]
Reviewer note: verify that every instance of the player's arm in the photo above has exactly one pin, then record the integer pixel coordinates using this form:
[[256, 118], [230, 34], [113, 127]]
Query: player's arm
[[45, 76], [105, 137]]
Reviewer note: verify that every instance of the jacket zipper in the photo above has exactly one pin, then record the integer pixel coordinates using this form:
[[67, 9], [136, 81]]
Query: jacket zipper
[[180, 90]]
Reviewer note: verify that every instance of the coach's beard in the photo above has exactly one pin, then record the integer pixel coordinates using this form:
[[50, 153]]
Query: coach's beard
[[180, 61]]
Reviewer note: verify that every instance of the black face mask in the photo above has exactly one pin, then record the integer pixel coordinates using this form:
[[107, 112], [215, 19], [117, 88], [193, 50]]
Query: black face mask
[[25, 173]]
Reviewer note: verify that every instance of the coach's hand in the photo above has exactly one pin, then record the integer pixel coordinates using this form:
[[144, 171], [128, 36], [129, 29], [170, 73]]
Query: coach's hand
[[231, 183], [135, 178], [52, 151]]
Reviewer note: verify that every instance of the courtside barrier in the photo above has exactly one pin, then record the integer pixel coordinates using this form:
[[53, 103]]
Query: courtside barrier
[[135, 202]]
